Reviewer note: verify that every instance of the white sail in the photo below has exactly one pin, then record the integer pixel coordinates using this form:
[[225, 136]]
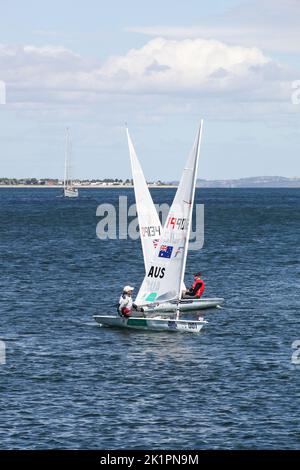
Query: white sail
[[165, 275], [149, 223]]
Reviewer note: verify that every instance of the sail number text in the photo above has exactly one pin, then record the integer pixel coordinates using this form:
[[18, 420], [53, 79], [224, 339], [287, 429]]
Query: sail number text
[[177, 223]]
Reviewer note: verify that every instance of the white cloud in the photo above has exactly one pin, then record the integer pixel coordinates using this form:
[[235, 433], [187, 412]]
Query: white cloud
[[34, 68], [184, 32], [56, 52], [187, 65], [182, 68]]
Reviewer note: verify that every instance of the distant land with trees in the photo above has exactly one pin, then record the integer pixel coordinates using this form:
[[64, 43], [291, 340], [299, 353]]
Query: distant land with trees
[[251, 182]]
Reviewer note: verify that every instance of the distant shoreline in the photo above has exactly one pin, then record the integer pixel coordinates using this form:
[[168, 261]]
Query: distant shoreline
[[43, 186], [166, 186], [247, 182]]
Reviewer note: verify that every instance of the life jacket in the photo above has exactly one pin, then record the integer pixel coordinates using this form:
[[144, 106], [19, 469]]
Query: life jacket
[[126, 312], [201, 287]]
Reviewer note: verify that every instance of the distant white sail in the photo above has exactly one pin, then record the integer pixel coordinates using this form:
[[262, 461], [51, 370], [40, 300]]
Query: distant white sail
[[67, 145], [165, 274], [149, 223], [69, 189]]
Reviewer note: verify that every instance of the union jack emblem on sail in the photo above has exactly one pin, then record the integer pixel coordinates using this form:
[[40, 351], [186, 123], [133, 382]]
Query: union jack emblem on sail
[[155, 242]]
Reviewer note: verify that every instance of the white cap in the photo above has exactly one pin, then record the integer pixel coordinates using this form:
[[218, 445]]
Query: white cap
[[128, 289]]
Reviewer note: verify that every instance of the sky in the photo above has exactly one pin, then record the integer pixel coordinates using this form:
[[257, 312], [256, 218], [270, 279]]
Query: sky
[[160, 66]]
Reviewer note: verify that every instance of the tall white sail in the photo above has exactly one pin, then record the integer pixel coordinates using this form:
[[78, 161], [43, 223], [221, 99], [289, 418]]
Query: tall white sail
[[165, 275], [149, 223]]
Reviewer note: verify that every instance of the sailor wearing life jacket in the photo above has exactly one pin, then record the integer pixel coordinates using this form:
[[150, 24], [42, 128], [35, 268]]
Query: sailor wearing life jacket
[[197, 288], [126, 302]]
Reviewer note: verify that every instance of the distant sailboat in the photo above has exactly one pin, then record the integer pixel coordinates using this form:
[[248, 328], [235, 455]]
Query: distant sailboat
[[69, 189], [162, 285]]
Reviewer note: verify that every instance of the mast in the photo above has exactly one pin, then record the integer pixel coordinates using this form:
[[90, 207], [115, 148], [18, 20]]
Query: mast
[[66, 158], [186, 246]]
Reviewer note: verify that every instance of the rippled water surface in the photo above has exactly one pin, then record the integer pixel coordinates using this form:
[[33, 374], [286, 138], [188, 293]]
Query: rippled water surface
[[67, 383]]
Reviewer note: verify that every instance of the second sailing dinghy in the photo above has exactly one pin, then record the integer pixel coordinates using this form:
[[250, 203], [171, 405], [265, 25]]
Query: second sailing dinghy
[[163, 281]]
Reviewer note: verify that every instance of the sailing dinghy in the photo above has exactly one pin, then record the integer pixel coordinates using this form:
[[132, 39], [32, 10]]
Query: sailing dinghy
[[163, 281], [69, 189], [151, 323], [150, 232]]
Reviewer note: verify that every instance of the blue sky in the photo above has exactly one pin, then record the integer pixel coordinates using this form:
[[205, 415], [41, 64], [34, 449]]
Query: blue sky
[[161, 66]]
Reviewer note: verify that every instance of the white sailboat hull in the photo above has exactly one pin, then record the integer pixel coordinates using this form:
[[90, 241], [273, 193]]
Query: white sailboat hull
[[185, 305], [151, 324], [71, 192]]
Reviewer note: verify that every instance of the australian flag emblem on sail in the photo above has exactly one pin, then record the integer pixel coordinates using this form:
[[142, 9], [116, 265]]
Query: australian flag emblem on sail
[[165, 251]]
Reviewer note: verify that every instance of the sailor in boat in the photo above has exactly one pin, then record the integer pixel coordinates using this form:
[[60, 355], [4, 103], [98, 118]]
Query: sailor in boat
[[197, 288], [126, 305]]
